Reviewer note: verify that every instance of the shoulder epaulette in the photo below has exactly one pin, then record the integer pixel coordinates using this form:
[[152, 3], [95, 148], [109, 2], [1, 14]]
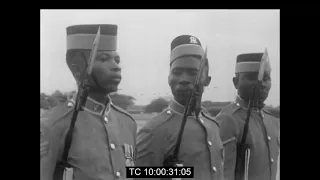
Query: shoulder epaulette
[[269, 112], [159, 119], [230, 109], [210, 117], [121, 111], [55, 114]]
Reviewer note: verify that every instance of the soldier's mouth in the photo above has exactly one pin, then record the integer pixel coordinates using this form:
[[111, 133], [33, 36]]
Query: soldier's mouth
[[185, 92], [116, 79], [186, 88]]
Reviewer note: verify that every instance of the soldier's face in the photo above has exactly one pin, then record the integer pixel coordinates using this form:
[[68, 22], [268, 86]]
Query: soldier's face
[[243, 83], [183, 73], [106, 70]]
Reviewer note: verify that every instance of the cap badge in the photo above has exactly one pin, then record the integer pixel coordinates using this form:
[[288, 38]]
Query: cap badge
[[193, 40]]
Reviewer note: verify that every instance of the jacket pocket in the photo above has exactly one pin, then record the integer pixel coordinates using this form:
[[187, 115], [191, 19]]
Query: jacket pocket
[[230, 154], [228, 141]]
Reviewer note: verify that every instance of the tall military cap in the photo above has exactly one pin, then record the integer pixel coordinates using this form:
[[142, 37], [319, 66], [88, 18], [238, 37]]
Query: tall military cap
[[185, 45], [80, 40], [250, 62], [81, 37]]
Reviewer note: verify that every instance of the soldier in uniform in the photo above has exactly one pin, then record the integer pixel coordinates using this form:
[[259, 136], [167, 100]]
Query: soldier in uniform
[[104, 135], [263, 136], [201, 146]]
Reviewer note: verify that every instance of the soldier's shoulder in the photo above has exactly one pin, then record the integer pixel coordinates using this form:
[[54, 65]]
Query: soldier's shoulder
[[272, 117], [231, 109], [213, 119], [122, 111], [270, 113], [228, 113], [160, 119], [55, 115]]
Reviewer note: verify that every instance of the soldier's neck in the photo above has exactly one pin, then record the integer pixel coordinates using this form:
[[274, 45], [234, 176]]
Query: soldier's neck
[[245, 103], [100, 97], [180, 102]]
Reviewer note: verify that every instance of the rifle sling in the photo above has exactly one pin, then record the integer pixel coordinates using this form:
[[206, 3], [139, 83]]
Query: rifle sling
[[68, 138], [246, 125], [178, 143], [180, 133]]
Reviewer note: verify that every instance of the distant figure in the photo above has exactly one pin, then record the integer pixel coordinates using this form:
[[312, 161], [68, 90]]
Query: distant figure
[[104, 137], [263, 137], [201, 146]]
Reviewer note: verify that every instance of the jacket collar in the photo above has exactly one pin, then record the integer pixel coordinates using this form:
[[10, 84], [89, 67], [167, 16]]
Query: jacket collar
[[241, 103], [177, 107], [96, 107]]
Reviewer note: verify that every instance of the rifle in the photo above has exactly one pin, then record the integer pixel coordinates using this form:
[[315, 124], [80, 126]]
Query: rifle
[[243, 150], [194, 104], [64, 170]]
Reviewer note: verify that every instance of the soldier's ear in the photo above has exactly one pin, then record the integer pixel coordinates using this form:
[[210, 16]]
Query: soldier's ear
[[76, 62], [76, 71], [235, 82], [207, 81]]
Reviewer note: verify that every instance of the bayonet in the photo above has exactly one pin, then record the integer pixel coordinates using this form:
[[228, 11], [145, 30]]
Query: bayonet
[[93, 52], [64, 171], [194, 104], [263, 65], [243, 151]]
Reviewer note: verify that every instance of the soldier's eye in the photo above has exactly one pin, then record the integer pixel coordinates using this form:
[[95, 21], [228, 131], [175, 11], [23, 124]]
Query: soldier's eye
[[104, 57], [176, 71], [193, 72], [117, 59]]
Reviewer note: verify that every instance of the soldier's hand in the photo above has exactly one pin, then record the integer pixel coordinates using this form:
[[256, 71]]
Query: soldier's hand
[[44, 147]]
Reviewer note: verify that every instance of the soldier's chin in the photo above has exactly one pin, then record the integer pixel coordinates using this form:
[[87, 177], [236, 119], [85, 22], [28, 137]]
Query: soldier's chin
[[263, 98], [182, 98], [110, 88]]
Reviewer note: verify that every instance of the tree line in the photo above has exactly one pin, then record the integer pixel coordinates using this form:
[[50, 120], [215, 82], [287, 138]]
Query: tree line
[[127, 102], [57, 97]]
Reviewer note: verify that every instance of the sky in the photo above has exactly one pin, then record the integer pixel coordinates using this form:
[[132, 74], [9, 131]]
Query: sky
[[144, 38]]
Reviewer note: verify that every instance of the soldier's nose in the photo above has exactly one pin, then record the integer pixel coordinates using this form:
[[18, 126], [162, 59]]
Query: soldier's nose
[[116, 69]]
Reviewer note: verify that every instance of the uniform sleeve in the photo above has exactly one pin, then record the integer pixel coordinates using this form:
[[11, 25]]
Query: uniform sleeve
[[149, 153], [228, 134], [134, 129], [148, 149], [53, 151]]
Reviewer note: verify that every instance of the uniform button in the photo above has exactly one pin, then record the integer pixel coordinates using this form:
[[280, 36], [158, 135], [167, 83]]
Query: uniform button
[[269, 138], [112, 146], [238, 104], [106, 119], [214, 169], [201, 121], [209, 142], [118, 174], [168, 112], [272, 160]]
